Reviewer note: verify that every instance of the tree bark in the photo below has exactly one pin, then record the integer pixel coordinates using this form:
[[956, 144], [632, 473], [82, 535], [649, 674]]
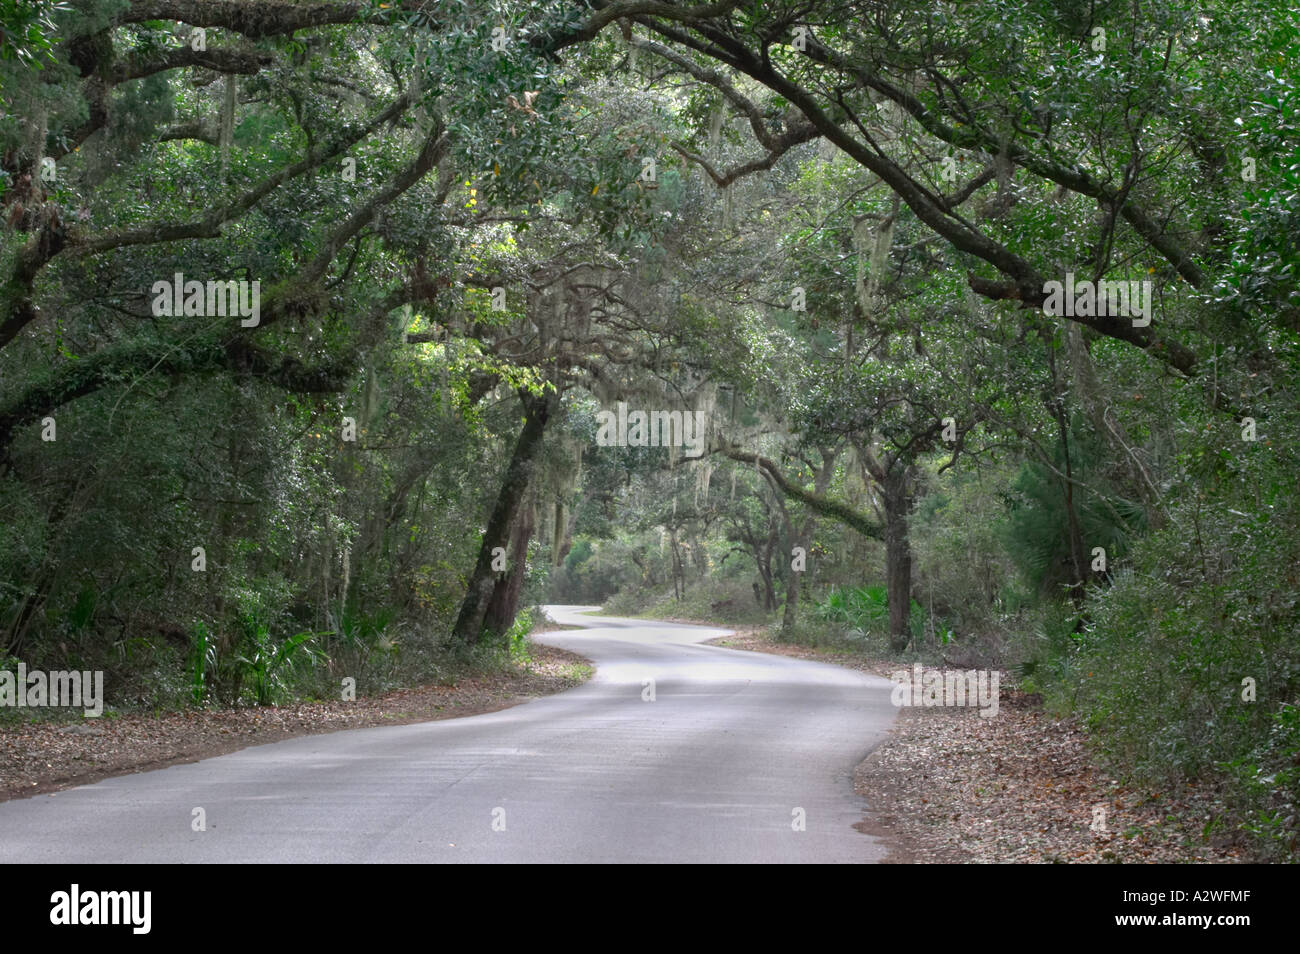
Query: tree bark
[[1074, 533], [678, 574], [803, 539], [898, 556], [765, 572], [1077, 560], [503, 605], [523, 462], [826, 506]]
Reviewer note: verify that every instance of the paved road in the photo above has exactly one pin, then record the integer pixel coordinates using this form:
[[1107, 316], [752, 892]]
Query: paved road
[[734, 748]]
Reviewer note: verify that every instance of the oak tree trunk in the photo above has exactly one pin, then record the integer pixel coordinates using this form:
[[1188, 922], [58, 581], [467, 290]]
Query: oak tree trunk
[[503, 605], [898, 557], [523, 461]]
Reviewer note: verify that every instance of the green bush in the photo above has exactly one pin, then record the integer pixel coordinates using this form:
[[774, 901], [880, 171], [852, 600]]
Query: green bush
[[1267, 785], [267, 664], [864, 608]]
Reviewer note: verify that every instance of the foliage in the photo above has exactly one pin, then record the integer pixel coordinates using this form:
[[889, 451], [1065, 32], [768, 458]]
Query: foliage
[[837, 258], [266, 662], [862, 608]]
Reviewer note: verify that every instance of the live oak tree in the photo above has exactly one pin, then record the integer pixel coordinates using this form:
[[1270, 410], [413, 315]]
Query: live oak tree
[[829, 225]]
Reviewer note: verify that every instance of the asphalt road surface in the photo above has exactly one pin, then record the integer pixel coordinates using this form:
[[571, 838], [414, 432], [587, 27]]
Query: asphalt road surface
[[727, 756]]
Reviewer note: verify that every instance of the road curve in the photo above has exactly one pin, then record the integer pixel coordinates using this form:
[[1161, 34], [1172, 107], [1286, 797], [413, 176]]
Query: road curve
[[733, 752]]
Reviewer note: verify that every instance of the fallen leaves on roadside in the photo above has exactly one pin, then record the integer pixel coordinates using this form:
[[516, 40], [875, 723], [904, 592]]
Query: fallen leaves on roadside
[[949, 786], [41, 757]]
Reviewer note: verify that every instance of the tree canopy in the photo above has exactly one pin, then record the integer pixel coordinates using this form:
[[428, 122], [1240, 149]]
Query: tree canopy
[[310, 313]]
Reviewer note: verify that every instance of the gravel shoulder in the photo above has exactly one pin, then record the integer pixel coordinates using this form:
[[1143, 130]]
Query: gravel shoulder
[[41, 757]]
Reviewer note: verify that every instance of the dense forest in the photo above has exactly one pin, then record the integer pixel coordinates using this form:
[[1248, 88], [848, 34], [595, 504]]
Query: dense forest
[[337, 336]]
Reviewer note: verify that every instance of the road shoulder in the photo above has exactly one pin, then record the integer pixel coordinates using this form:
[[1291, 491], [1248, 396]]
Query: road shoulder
[[948, 786], [44, 757]]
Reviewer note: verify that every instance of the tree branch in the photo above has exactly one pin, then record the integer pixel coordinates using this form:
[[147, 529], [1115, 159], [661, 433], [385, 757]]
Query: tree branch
[[828, 506]]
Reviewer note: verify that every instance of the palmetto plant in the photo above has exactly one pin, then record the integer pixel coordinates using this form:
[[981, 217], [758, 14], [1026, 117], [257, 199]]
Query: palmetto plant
[[858, 607], [203, 659], [266, 662]]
